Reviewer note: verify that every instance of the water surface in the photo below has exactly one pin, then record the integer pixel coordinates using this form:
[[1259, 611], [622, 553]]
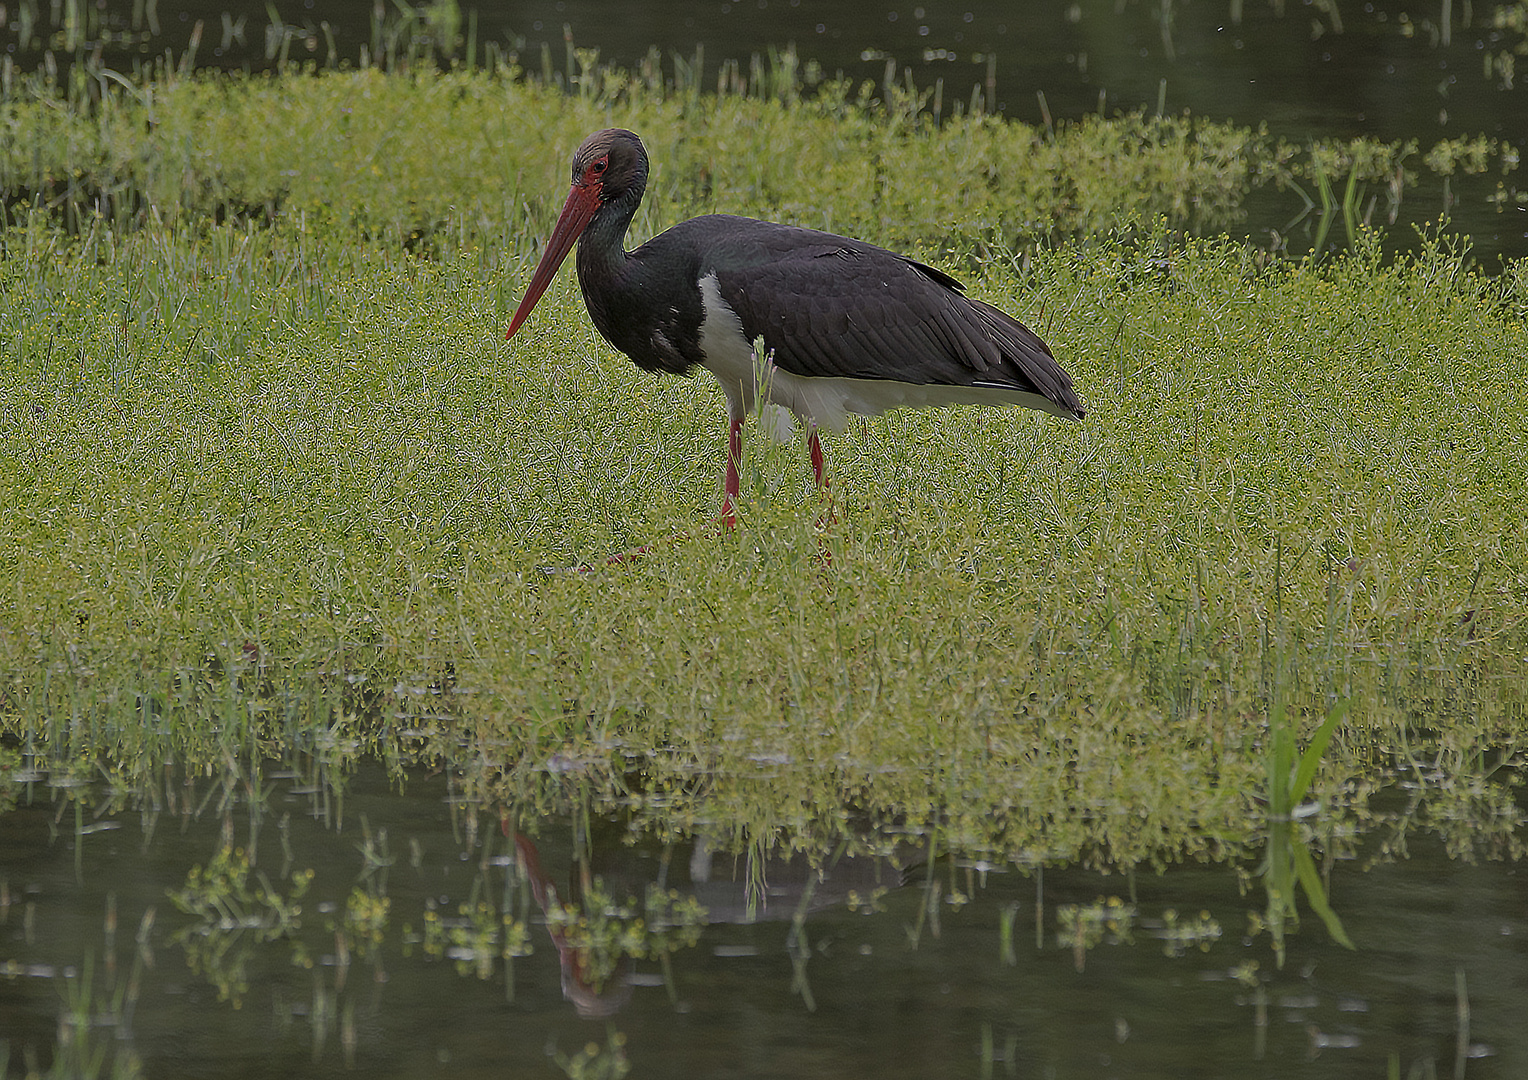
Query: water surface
[[824, 963]]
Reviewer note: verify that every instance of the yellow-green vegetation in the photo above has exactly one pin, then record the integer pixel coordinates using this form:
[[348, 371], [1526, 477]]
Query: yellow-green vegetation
[[274, 485], [460, 160], [467, 160]]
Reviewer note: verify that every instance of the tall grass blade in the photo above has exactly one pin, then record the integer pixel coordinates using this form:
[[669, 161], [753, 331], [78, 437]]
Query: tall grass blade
[[1311, 759]]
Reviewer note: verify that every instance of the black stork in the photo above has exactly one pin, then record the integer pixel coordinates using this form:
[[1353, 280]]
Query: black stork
[[852, 328]]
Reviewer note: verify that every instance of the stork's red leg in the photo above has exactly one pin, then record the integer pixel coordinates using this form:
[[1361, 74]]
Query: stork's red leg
[[826, 518], [734, 461], [814, 447]]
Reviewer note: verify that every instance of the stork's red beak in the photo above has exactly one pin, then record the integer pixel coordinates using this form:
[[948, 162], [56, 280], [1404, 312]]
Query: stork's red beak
[[582, 202]]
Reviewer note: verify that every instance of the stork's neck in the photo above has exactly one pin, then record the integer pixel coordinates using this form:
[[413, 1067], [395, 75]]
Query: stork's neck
[[602, 248], [609, 278], [646, 302]]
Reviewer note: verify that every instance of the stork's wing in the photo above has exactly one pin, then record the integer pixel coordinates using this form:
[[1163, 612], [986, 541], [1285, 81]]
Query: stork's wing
[[829, 306]]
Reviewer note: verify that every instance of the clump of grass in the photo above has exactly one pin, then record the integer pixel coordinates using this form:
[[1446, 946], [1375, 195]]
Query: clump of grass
[[279, 483], [287, 488], [466, 159]]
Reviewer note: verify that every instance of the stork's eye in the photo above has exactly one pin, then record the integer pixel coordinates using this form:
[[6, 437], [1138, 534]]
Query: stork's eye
[[599, 166]]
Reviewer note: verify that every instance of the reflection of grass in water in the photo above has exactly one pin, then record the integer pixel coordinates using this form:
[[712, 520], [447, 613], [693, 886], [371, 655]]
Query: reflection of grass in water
[[1081, 927], [594, 1061], [233, 915], [82, 1050], [95, 1032]]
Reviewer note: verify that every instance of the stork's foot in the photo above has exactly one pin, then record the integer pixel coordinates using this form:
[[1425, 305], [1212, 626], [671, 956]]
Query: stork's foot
[[723, 523], [727, 519], [635, 553], [617, 559]]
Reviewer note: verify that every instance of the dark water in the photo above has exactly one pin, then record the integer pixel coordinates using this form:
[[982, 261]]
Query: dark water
[[871, 967], [1368, 80], [1379, 69]]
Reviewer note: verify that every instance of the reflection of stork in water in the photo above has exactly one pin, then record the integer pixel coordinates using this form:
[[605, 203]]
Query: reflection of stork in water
[[591, 995], [730, 890]]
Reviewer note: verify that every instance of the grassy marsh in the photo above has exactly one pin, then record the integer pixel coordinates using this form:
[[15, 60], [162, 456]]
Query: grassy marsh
[[275, 485]]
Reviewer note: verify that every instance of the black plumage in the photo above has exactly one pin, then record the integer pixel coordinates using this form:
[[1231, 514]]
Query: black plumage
[[853, 327]]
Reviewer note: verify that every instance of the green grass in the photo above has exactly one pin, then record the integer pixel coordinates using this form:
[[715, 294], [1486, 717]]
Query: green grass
[[278, 486], [468, 159]]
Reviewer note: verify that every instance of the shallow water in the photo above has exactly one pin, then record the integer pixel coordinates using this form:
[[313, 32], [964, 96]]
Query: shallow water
[[863, 966]]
